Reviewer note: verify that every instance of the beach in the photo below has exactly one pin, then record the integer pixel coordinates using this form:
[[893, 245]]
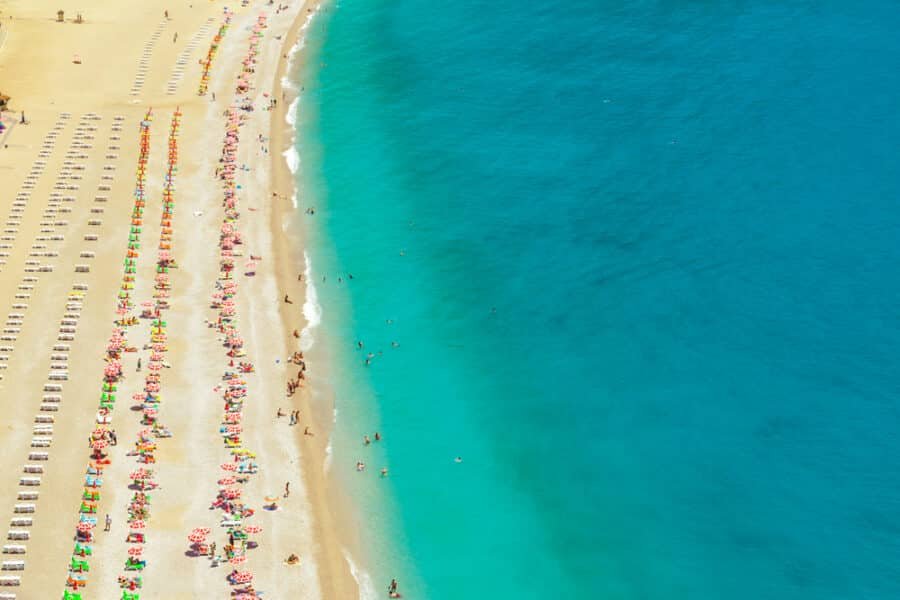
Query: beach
[[103, 224]]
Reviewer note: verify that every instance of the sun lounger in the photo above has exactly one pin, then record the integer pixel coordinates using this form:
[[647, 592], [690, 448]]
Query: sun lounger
[[13, 549]]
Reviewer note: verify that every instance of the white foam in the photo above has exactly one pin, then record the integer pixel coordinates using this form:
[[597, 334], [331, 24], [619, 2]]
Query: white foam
[[329, 454], [291, 115], [292, 158], [362, 577], [312, 310]]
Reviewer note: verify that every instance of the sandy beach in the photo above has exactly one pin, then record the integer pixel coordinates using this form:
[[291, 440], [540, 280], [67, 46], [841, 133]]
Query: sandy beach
[[99, 229]]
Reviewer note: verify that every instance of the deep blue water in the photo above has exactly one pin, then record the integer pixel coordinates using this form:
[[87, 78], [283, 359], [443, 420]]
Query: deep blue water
[[640, 259]]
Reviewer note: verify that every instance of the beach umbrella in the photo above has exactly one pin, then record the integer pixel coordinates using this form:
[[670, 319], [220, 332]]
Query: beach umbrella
[[99, 444], [154, 366], [227, 481], [232, 429], [238, 560], [231, 493], [141, 473], [84, 526], [201, 530], [138, 524], [196, 537], [229, 466], [243, 577], [253, 529], [135, 551]]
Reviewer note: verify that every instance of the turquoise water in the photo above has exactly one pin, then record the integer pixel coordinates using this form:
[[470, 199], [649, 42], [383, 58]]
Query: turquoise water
[[640, 263]]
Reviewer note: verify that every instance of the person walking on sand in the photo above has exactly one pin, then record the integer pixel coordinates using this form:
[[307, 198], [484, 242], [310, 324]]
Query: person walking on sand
[[139, 363], [287, 489], [212, 550], [287, 300], [108, 523]]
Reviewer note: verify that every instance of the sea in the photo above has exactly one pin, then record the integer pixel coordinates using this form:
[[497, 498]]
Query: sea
[[616, 283]]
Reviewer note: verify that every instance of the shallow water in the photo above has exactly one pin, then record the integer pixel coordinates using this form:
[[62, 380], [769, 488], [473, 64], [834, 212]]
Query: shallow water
[[640, 264]]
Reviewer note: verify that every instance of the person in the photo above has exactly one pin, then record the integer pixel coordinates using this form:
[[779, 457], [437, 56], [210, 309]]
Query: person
[[293, 559], [306, 431], [384, 471], [296, 334], [139, 364], [175, 37], [287, 489], [212, 550], [287, 300], [108, 523], [166, 13], [360, 465], [366, 440], [113, 438], [279, 413], [377, 437], [458, 459], [23, 117], [393, 587]]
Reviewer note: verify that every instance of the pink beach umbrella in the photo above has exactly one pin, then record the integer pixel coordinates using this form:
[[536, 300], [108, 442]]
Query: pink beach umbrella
[[138, 524], [227, 481], [238, 560], [99, 444], [243, 577], [252, 529], [135, 551], [84, 526], [140, 474], [229, 466], [196, 537]]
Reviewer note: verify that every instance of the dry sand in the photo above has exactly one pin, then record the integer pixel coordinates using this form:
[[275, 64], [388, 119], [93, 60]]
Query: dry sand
[[67, 178]]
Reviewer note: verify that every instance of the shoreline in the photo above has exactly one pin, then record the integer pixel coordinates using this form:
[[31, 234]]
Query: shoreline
[[289, 241]]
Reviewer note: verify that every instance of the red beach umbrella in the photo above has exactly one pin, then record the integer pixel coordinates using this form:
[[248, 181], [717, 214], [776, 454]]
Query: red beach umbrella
[[135, 551]]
